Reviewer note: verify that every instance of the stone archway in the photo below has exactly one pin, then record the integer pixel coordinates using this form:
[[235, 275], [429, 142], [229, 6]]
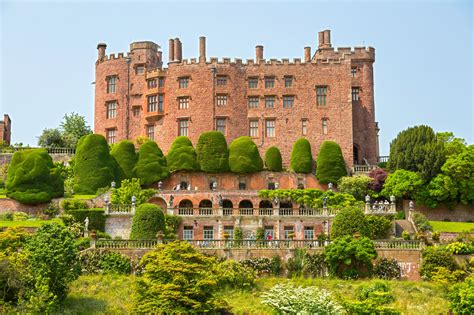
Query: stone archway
[[160, 202]]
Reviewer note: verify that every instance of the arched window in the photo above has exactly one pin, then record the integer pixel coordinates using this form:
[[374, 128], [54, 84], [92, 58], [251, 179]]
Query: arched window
[[185, 203], [245, 204], [265, 204]]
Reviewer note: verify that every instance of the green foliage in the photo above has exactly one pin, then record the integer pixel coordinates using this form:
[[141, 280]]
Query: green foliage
[[460, 168], [357, 185], [273, 159], [100, 261], [315, 264], [330, 165], [126, 157], [147, 221], [372, 299], [12, 239], [459, 248], [32, 177], [388, 269], [129, 188], [350, 258], [301, 156], [434, 257], [441, 189], [151, 166], [295, 264], [461, 296], [51, 138], [402, 184], [94, 166], [74, 127], [379, 226], [181, 156], [74, 204], [20, 216], [406, 235], [445, 276], [52, 210], [421, 222], [244, 156], [452, 145], [171, 226], [238, 234], [264, 266], [96, 218], [212, 152], [233, 274], [349, 221]]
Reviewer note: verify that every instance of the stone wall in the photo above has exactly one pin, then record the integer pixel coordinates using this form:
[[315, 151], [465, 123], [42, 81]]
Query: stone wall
[[118, 225], [460, 212], [5, 158]]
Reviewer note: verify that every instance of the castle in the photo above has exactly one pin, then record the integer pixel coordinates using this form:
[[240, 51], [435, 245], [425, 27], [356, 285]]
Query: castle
[[326, 96]]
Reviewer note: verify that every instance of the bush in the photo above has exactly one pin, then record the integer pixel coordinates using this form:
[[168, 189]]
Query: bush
[[96, 218], [181, 156], [330, 165], [20, 216], [273, 159], [349, 221], [99, 261], [94, 166], [461, 297], [171, 226], [434, 257], [244, 156], [129, 188], [388, 269], [378, 175], [12, 239], [445, 276], [212, 152], [357, 185], [82, 243], [421, 222], [315, 265], [74, 204], [295, 264], [32, 177], [458, 248], [234, 275], [402, 184], [301, 156], [126, 157], [379, 226], [372, 298], [147, 221], [406, 235], [151, 166], [52, 210]]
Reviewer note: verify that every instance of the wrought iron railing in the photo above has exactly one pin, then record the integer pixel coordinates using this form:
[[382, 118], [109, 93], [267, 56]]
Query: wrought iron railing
[[50, 150]]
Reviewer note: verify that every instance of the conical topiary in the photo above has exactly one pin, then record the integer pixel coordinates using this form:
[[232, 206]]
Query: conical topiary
[[301, 156], [273, 159], [330, 166], [182, 156], [151, 166], [244, 156], [212, 152], [126, 157]]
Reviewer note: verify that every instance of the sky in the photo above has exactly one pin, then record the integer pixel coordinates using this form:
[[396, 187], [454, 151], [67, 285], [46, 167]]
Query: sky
[[423, 68]]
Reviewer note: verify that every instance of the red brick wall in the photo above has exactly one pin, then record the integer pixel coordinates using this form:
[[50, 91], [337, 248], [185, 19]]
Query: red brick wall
[[460, 212]]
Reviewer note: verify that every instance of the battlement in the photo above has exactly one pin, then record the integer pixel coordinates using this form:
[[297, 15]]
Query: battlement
[[144, 45], [336, 55]]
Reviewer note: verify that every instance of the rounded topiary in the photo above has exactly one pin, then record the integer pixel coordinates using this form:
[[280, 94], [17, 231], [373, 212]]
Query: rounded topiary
[[94, 166], [182, 156], [151, 166], [32, 177], [244, 156], [147, 222], [126, 157], [350, 221], [273, 159], [301, 157], [212, 152], [330, 163]]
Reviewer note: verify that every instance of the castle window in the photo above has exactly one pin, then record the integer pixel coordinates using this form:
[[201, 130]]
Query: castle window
[[111, 135], [152, 83], [152, 102], [183, 82], [304, 127], [270, 128], [150, 132], [288, 101], [355, 94], [161, 82], [221, 80], [220, 125], [183, 125], [353, 72], [242, 183], [269, 232], [269, 101], [111, 110], [161, 98], [183, 102], [288, 230], [253, 128], [253, 83], [136, 111], [111, 83], [188, 233], [221, 100], [308, 233], [140, 70], [288, 81], [321, 95], [208, 233], [269, 82], [325, 126], [253, 102], [229, 230]]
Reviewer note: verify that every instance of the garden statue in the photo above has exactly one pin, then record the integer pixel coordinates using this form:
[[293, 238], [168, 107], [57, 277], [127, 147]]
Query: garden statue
[[325, 201], [86, 225], [170, 202], [411, 204], [367, 199], [160, 185], [392, 199], [330, 186], [219, 198], [214, 185]]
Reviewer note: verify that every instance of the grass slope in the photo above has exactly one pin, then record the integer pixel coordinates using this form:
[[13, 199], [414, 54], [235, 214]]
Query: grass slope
[[27, 223], [442, 226]]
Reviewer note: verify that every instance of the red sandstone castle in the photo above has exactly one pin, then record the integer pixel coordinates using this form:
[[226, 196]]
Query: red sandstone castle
[[326, 96]]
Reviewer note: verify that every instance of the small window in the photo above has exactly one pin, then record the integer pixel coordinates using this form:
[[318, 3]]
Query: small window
[[111, 110], [152, 83], [111, 135], [253, 102], [111, 83], [308, 233], [220, 124], [325, 126], [355, 94], [183, 102], [188, 233], [353, 72], [152, 103], [288, 101], [221, 81], [161, 99], [288, 231], [140, 70], [136, 111], [183, 127], [269, 232], [271, 186], [304, 127], [221, 100], [150, 132], [270, 128], [229, 230], [242, 183], [253, 83], [208, 233], [161, 82], [288, 81], [321, 95], [269, 101], [269, 82], [253, 127], [183, 82]]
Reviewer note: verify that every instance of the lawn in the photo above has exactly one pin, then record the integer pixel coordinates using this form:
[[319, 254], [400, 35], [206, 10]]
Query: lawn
[[442, 226], [83, 196], [112, 294], [27, 223]]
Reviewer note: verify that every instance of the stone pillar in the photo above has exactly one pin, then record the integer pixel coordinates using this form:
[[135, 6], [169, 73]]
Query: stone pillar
[[170, 211], [202, 49], [277, 227], [220, 230], [307, 54]]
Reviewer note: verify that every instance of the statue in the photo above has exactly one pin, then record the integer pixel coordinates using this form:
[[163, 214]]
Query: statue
[[170, 202], [86, 224], [325, 201], [219, 198], [367, 199], [411, 204]]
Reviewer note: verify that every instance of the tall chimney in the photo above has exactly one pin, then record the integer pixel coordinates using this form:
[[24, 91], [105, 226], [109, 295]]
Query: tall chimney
[[324, 39], [177, 50], [202, 49], [327, 38], [171, 51], [307, 54], [258, 53], [101, 50]]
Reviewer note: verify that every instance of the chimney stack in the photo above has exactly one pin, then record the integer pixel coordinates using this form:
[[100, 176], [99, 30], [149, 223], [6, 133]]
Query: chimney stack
[[171, 50], [258, 53], [178, 50], [324, 39], [101, 50], [307, 54], [202, 49]]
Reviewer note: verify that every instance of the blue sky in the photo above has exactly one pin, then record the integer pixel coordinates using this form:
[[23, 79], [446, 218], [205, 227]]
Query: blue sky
[[423, 69]]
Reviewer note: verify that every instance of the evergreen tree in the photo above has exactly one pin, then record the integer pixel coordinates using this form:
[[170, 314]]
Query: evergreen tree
[[301, 156], [273, 159], [151, 166], [126, 157], [181, 156], [330, 163], [244, 156], [147, 222], [212, 152]]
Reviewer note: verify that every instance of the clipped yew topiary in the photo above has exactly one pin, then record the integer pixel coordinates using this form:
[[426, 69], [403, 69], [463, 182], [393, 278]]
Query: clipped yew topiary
[[151, 166], [273, 159], [182, 156], [94, 166], [301, 157], [244, 156], [147, 222], [212, 152], [330, 163], [126, 157], [32, 177]]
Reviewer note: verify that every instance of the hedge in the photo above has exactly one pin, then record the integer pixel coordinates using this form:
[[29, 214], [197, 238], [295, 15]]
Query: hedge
[[301, 156], [151, 166], [73, 204], [95, 168], [32, 177], [273, 159], [330, 163], [244, 156], [126, 157], [96, 218], [182, 156], [147, 221], [212, 152]]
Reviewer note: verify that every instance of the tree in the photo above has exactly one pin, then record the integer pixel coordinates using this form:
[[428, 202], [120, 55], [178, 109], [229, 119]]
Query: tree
[[460, 168], [129, 188], [379, 226], [244, 156], [147, 222], [51, 138], [273, 159], [402, 184], [379, 175], [151, 166], [181, 156], [32, 177], [126, 157], [74, 127], [349, 221], [452, 145], [357, 185], [212, 152], [94, 166], [461, 296], [301, 156], [330, 165]]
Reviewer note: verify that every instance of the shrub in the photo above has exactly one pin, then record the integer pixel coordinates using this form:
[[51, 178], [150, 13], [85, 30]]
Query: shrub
[[171, 226], [212, 152], [435, 236], [273, 159], [461, 296], [74, 204], [20, 216], [289, 299], [99, 261], [301, 156], [295, 264], [12, 239], [315, 265], [357, 185], [52, 210], [151, 166], [32, 177], [147, 221], [379, 226], [260, 265], [129, 188], [378, 175], [330, 165], [406, 235], [125, 156], [94, 166], [402, 184], [421, 222], [388, 269], [458, 248], [372, 298], [82, 243], [182, 156], [67, 219], [234, 275], [244, 156], [276, 265], [349, 221], [445, 276], [96, 218], [434, 257]]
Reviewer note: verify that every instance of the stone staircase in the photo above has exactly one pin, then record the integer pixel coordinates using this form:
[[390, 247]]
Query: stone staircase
[[403, 225]]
